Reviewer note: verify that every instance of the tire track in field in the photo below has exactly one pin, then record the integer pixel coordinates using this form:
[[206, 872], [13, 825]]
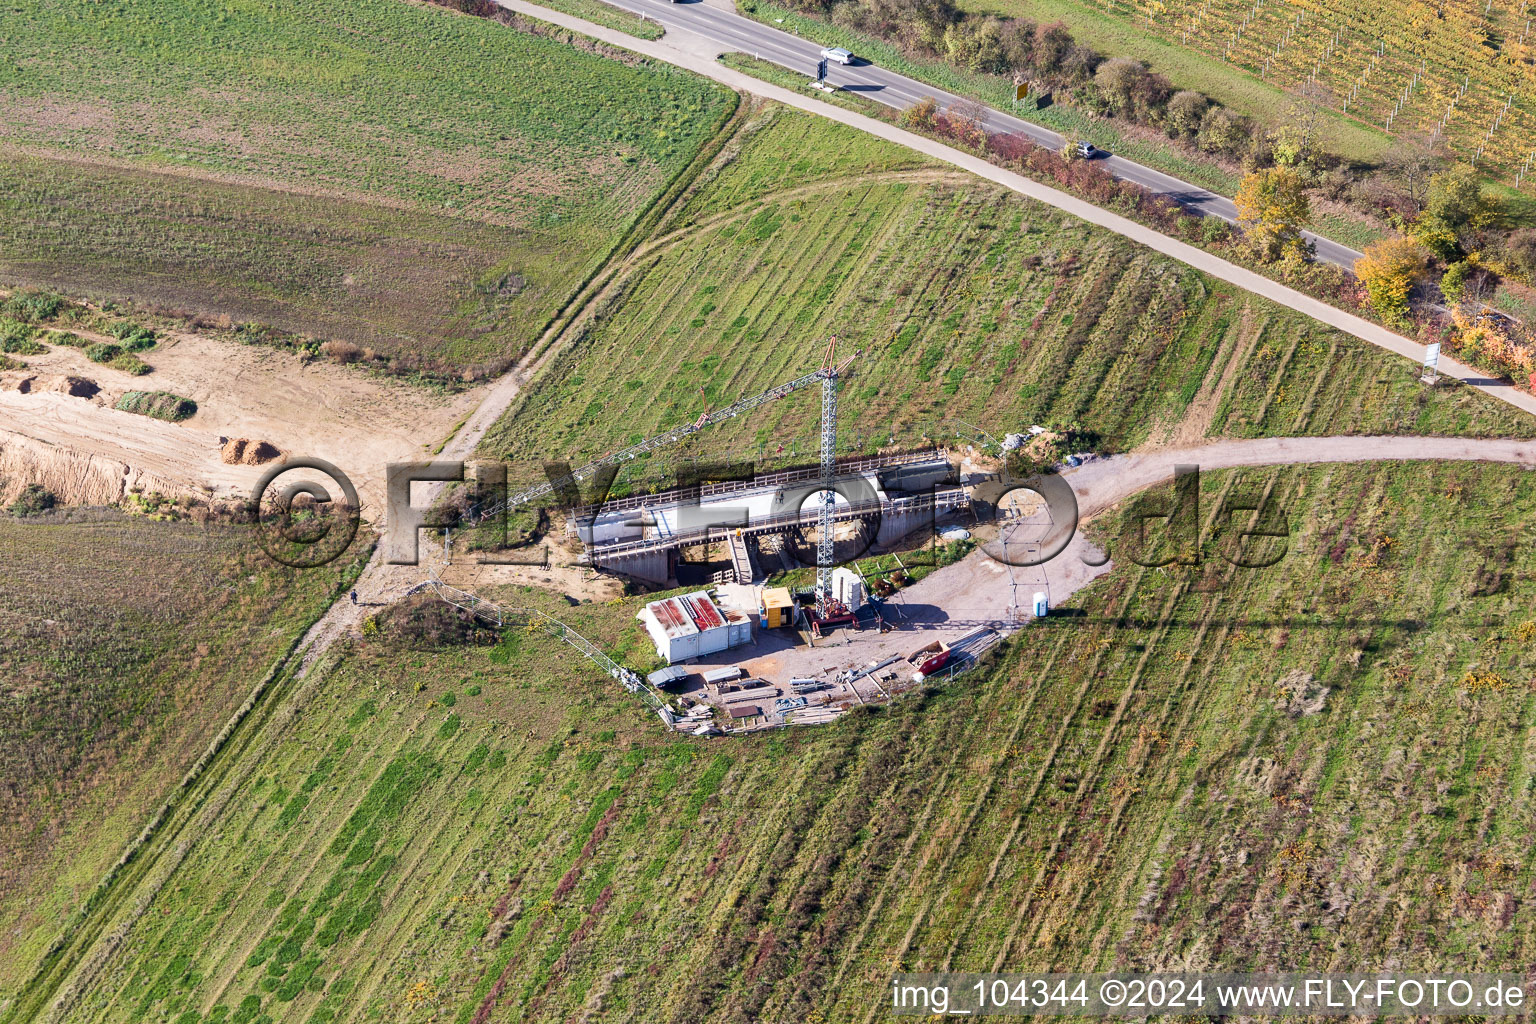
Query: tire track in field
[[1088, 788], [845, 182], [1087, 785], [1200, 414], [878, 861], [225, 967], [1146, 750], [380, 757], [921, 913], [421, 843], [1018, 818], [891, 877], [1068, 722]]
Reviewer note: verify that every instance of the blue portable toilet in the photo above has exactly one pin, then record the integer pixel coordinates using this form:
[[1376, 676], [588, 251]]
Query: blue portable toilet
[[1042, 606]]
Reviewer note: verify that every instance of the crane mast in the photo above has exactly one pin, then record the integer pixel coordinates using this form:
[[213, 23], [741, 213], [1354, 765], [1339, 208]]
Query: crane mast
[[830, 371]]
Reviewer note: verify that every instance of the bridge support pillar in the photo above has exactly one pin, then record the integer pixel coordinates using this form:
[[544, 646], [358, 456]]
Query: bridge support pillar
[[658, 567]]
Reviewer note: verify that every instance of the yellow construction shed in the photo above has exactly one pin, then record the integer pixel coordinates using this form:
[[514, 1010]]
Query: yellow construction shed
[[778, 608]]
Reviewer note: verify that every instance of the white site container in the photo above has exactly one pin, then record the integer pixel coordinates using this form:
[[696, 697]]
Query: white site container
[[848, 587]]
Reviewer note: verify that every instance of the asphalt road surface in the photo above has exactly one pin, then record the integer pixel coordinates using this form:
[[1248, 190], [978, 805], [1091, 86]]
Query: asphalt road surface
[[734, 32]]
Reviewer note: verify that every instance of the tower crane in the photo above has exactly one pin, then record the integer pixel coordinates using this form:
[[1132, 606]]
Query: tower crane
[[829, 373]]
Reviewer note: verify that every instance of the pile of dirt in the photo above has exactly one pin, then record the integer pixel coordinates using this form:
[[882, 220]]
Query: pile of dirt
[[242, 451], [75, 387]]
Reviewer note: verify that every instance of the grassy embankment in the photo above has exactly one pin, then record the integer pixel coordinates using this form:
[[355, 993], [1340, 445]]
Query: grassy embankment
[[608, 16], [1356, 50], [1322, 762], [971, 307], [428, 184], [128, 644]]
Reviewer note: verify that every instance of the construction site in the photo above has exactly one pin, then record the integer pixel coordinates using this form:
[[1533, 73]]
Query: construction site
[[748, 649]]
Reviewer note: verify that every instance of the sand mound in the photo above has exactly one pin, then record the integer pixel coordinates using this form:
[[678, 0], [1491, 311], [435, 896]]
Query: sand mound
[[75, 387], [258, 452], [242, 451]]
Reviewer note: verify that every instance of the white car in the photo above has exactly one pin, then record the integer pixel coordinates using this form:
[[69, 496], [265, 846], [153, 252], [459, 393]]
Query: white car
[[838, 54]]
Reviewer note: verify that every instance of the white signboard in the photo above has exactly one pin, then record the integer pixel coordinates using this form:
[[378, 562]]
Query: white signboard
[[1431, 358]]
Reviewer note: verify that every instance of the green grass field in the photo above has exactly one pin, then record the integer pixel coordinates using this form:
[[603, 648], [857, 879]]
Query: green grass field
[[972, 307], [1196, 767], [390, 156], [128, 643], [375, 275]]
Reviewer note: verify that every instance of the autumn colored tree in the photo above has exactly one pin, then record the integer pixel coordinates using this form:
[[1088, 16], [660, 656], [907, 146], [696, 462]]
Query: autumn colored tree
[[968, 118], [1454, 205], [1182, 117], [1273, 208], [1221, 131], [1389, 268]]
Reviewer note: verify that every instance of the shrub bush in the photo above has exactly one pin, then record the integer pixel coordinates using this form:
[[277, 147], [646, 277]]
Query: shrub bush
[[1389, 269], [34, 305], [162, 405], [33, 501], [16, 339], [132, 336], [66, 338], [102, 352], [341, 351], [130, 364]]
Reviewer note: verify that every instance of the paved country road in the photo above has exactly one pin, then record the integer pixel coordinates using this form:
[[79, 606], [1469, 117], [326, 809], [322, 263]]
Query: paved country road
[[732, 31]]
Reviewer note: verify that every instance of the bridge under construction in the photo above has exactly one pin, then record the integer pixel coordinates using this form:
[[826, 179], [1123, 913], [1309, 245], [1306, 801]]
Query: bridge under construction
[[887, 496]]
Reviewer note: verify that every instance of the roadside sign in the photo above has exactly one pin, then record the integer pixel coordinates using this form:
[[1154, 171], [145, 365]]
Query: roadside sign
[[1020, 92], [1431, 360], [821, 70]]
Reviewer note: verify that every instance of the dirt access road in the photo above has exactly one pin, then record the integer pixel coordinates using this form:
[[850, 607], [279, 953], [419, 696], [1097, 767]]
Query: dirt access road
[[982, 591]]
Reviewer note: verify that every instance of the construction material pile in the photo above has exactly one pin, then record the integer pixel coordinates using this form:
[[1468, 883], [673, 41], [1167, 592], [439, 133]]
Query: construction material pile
[[241, 451]]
